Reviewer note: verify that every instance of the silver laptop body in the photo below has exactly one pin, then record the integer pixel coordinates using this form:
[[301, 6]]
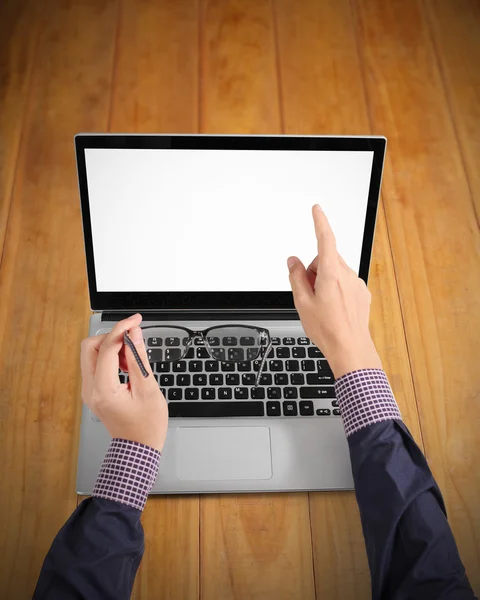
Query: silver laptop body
[[227, 454]]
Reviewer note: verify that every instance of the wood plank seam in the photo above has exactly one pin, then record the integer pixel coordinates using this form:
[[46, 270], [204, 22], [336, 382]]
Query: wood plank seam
[[273, 9], [448, 97], [387, 228], [199, 65], [114, 64]]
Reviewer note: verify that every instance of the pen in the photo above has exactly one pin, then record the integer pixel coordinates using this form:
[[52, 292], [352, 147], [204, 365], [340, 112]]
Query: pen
[[131, 345]]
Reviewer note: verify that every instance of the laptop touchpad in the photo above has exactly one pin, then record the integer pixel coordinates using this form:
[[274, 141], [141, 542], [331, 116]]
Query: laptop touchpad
[[223, 453]]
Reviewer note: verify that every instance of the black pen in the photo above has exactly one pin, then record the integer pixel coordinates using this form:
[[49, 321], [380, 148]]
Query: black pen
[[131, 345]]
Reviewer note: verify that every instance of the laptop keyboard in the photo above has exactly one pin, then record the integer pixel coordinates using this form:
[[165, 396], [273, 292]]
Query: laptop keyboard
[[296, 381]]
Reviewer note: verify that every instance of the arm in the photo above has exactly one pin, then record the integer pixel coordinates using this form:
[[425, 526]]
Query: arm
[[410, 546], [97, 552]]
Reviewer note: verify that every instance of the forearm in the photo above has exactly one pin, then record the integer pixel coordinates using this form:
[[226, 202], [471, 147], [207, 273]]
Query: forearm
[[410, 547], [97, 552]]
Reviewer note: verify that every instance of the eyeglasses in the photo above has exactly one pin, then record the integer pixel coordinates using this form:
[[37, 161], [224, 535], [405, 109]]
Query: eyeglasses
[[225, 343]]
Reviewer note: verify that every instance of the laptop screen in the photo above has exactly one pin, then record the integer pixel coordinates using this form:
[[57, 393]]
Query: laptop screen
[[178, 220]]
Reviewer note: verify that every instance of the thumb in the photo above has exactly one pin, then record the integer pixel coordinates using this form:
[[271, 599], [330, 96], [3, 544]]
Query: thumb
[[301, 287], [135, 372]]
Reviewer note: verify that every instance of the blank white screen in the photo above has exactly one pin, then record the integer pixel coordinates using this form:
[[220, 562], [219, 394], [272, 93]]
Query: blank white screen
[[219, 220]]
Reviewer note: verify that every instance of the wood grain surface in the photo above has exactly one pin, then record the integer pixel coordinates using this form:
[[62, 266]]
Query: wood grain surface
[[406, 69]]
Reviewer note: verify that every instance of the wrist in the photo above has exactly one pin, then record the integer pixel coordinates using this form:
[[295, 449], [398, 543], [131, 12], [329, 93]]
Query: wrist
[[347, 359]]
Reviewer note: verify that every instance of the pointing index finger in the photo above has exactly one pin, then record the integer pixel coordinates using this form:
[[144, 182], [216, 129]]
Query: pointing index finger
[[327, 246]]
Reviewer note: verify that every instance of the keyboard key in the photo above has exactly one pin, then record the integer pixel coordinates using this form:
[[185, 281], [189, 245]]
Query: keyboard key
[[308, 365], [244, 366], [317, 392], [154, 341], [179, 367], [232, 379], [164, 391], [334, 402], [199, 341], [273, 409], [283, 352], [306, 408], [281, 379], [275, 341], [256, 365], [288, 341], [230, 341], [217, 409], [273, 393], [185, 341], [292, 365], [152, 366], [241, 393], [218, 353], [154, 354], [290, 408], [208, 393], [265, 379], [322, 365], [183, 379], [122, 378], [172, 341], [166, 380], [276, 365], [298, 352], [247, 341], [225, 393], [257, 393], [202, 353], [303, 341], [192, 394], [248, 378], [200, 379], [235, 354], [157, 377], [163, 367], [321, 378], [314, 352], [215, 379], [323, 412], [253, 353], [227, 366], [290, 392], [173, 354], [271, 354], [213, 341], [297, 379], [190, 353], [195, 366], [211, 365], [336, 412], [174, 394]]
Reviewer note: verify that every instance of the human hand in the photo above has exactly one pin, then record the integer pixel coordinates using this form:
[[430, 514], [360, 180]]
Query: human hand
[[136, 410], [333, 304]]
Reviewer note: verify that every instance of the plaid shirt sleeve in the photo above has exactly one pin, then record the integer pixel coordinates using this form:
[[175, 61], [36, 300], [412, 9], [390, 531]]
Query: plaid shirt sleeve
[[365, 397], [128, 473]]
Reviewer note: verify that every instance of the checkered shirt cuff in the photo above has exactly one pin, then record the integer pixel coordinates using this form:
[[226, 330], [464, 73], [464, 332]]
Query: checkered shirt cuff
[[128, 473], [365, 397]]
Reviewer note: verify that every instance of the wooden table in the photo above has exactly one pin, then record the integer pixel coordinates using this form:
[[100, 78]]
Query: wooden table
[[404, 69]]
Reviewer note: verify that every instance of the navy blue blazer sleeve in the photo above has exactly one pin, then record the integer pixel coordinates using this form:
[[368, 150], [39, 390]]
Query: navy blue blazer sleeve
[[95, 555], [410, 546]]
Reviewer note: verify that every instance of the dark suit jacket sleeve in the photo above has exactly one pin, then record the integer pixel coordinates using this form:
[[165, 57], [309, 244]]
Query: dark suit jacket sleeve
[[410, 547], [96, 554]]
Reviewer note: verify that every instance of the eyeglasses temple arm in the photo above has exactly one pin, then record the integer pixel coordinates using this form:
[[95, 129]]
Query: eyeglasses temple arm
[[259, 374]]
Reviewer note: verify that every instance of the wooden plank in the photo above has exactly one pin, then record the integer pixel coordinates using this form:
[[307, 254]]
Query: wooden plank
[[156, 90], [435, 243], [156, 71], [251, 545], [456, 31], [18, 37], [321, 75], [43, 288], [239, 88]]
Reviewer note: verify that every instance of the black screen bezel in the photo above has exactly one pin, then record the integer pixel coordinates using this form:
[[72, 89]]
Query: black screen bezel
[[103, 301]]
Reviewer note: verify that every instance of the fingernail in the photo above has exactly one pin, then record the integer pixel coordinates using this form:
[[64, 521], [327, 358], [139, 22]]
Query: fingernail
[[291, 262], [136, 336], [318, 207]]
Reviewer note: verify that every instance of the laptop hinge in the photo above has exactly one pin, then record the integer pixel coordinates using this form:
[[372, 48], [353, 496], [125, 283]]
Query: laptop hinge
[[203, 315]]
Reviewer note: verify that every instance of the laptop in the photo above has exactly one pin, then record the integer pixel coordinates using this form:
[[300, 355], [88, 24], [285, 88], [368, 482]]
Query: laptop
[[194, 231]]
